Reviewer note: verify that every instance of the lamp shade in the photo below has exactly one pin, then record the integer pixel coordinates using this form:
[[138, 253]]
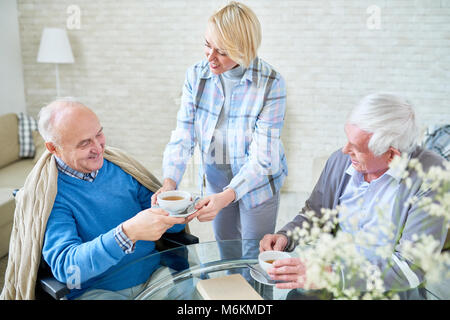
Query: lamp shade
[[55, 47]]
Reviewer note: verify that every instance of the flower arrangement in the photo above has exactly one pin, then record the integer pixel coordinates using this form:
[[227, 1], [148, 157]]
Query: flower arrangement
[[352, 275]]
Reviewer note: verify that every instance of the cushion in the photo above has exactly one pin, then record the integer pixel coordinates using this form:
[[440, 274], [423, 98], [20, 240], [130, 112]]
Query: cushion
[[26, 125], [9, 139], [5, 234], [14, 175], [7, 205], [437, 138]]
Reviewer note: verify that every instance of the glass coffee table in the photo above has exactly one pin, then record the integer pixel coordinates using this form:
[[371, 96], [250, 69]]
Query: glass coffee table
[[205, 261], [187, 265]]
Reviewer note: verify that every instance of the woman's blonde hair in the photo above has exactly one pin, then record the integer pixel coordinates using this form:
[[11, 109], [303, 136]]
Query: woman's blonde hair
[[236, 29]]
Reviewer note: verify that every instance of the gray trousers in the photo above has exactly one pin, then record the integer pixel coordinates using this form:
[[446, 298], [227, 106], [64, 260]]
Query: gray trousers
[[237, 222]]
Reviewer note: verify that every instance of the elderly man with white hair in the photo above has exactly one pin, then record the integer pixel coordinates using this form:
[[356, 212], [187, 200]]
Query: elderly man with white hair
[[358, 177]]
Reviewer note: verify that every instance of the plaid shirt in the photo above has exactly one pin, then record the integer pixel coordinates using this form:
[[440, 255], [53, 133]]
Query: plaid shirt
[[437, 138], [74, 173], [256, 117]]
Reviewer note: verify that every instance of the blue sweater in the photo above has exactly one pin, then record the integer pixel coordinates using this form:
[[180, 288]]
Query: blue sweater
[[79, 239]]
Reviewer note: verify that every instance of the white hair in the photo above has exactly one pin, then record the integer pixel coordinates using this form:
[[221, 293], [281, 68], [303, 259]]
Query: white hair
[[390, 119], [46, 117]]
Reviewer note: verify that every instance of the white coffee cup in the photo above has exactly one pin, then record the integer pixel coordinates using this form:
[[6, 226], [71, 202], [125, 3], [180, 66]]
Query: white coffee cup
[[266, 256], [174, 206]]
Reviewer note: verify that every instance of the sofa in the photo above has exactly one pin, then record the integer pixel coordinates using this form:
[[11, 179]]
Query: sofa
[[13, 171]]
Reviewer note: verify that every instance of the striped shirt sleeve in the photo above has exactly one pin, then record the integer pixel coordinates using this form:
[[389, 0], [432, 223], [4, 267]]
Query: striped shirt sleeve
[[122, 240]]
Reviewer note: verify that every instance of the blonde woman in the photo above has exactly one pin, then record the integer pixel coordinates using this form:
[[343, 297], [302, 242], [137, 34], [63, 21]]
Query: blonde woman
[[233, 106]]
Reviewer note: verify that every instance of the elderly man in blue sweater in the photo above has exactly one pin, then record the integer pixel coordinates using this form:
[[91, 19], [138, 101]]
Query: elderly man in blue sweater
[[102, 217]]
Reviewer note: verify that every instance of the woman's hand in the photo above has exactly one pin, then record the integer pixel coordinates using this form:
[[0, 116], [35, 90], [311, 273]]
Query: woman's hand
[[168, 185], [210, 206]]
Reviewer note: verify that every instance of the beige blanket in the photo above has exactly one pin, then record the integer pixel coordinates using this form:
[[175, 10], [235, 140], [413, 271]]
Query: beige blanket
[[34, 203]]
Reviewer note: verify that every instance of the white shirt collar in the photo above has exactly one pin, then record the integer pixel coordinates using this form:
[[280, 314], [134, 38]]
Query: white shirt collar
[[395, 174]]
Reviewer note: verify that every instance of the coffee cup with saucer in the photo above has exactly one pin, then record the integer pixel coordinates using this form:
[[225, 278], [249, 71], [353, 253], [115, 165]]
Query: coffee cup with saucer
[[178, 203]]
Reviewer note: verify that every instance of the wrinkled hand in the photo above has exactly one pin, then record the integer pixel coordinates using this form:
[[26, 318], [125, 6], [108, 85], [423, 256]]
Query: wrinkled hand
[[291, 270], [277, 242], [210, 206], [149, 224], [168, 185]]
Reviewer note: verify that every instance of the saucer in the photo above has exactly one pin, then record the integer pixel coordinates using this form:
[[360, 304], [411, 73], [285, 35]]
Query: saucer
[[182, 214], [259, 277]]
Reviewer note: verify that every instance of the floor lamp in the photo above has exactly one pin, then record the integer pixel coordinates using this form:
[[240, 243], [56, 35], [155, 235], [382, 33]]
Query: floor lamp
[[55, 48]]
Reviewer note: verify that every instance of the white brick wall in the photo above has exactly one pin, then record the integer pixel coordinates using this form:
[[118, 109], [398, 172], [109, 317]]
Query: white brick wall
[[131, 57]]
